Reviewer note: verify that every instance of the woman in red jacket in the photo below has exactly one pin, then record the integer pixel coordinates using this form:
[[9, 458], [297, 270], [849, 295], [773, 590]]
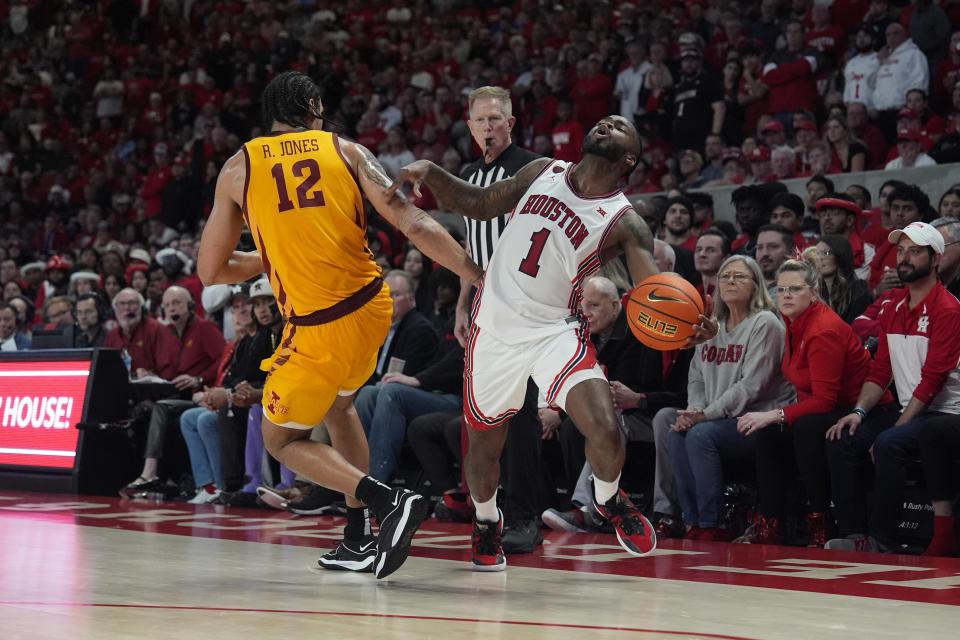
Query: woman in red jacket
[[826, 363]]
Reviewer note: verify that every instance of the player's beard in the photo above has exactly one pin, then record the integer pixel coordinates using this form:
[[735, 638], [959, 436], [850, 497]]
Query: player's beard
[[594, 147]]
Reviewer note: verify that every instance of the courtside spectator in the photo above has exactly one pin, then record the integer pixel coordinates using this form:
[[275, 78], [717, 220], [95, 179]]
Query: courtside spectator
[[150, 344], [918, 351], [826, 364], [735, 372], [841, 289], [197, 346]]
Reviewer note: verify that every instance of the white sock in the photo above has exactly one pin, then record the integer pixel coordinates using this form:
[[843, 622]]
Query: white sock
[[603, 491], [487, 511]]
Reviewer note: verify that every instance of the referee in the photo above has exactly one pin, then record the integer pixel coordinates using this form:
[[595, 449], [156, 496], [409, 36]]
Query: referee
[[491, 121]]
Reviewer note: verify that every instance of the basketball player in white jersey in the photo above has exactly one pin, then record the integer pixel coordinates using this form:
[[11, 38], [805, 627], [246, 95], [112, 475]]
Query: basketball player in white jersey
[[567, 220]]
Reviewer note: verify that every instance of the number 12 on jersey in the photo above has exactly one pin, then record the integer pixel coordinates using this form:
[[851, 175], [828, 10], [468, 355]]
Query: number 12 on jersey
[[309, 170], [531, 264]]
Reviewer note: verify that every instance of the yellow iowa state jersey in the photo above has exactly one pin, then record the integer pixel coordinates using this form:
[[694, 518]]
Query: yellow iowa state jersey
[[305, 210]]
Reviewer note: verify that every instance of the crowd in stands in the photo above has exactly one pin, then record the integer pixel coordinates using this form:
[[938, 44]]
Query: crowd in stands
[[115, 117]]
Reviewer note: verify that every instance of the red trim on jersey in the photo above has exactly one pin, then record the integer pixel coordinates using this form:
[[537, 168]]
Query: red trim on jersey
[[336, 145], [281, 294], [282, 360], [573, 190], [246, 186], [584, 358], [472, 414], [592, 263]]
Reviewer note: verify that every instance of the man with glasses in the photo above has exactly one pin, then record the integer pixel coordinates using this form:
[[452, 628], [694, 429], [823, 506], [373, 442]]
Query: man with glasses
[[59, 310], [144, 338], [919, 349], [838, 215], [196, 348]]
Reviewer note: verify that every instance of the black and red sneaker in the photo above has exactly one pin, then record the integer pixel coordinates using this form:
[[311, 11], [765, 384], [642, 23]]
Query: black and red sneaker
[[634, 531], [486, 549], [454, 507]]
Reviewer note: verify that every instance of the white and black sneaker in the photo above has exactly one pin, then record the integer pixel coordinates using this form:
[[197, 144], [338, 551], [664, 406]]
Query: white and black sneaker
[[405, 512], [351, 555]]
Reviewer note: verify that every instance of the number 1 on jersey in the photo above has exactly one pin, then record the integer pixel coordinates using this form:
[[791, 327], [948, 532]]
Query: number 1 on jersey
[[531, 264]]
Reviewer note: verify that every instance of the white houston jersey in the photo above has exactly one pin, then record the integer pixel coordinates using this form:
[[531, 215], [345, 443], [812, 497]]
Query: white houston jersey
[[552, 243]]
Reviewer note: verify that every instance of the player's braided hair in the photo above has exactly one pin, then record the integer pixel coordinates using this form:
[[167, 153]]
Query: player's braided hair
[[287, 99]]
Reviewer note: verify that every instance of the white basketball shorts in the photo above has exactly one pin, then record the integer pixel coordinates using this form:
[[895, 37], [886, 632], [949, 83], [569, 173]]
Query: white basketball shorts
[[495, 375]]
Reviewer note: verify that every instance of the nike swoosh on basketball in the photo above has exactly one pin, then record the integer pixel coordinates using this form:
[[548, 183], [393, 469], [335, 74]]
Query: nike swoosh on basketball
[[653, 297]]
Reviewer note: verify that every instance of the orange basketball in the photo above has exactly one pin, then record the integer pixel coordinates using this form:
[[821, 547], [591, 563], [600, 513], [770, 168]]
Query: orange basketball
[[662, 311]]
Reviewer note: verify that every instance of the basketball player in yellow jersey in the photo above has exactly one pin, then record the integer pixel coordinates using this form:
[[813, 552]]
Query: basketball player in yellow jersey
[[300, 191]]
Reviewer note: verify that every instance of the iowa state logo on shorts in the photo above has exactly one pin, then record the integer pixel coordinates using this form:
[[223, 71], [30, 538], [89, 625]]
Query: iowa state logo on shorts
[[274, 406]]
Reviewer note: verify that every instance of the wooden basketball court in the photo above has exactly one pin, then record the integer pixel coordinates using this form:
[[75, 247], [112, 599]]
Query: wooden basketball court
[[92, 567]]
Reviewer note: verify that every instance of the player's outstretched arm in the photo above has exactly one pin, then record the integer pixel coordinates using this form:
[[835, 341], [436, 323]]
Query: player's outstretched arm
[[217, 261], [479, 203], [426, 233]]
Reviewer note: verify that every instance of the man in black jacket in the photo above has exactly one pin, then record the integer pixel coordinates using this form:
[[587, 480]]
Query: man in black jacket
[[401, 398], [642, 381], [412, 338]]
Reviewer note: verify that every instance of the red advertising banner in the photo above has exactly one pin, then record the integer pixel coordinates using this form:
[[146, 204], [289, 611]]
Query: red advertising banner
[[40, 404]]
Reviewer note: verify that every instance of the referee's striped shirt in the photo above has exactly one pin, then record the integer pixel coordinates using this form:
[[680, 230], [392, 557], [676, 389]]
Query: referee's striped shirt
[[482, 235]]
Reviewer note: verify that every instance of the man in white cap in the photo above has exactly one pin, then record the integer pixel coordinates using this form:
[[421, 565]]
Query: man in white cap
[[919, 349]]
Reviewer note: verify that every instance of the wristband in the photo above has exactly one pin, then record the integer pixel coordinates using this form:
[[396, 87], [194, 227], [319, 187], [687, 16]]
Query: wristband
[[860, 411]]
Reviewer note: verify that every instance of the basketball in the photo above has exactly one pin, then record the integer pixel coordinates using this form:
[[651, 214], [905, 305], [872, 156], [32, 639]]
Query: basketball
[[662, 311]]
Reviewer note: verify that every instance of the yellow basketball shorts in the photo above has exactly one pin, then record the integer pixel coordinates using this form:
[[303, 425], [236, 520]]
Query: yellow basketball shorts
[[314, 364]]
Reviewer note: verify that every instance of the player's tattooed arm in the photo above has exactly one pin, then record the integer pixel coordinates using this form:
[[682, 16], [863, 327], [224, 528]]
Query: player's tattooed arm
[[425, 232], [631, 237], [372, 170], [480, 203]]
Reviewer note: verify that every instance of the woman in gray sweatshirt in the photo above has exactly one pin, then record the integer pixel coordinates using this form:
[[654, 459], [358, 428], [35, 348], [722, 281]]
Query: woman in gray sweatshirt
[[735, 372]]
